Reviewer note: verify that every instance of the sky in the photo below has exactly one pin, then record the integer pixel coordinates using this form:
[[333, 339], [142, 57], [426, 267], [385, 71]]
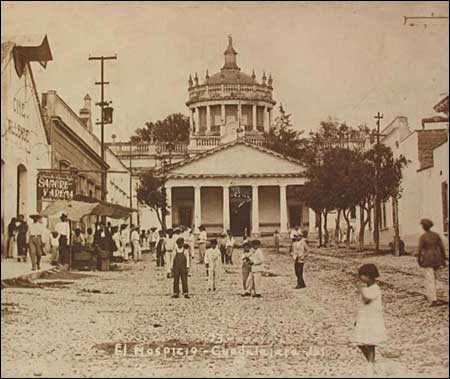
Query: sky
[[347, 60]]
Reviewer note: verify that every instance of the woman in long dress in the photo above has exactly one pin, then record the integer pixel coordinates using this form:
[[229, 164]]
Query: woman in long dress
[[11, 244]]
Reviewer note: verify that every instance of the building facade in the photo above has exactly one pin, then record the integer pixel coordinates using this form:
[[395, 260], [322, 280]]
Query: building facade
[[76, 149], [24, 141]]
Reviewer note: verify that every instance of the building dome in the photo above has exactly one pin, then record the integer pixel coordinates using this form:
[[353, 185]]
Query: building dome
[[231, 76]]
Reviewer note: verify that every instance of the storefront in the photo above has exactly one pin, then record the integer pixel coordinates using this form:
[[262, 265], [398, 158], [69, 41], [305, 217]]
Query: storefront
[[24, 142]]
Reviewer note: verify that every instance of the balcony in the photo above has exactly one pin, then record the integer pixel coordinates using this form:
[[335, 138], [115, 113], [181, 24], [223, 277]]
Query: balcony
[[230, 92], [123, 149]]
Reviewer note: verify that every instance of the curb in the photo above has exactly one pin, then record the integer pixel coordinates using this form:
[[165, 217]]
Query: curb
[[29, 276]]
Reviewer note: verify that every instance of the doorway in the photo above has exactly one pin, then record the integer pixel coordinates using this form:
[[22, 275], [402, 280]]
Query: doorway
[[185, 216], [295, 215], [240, 210]]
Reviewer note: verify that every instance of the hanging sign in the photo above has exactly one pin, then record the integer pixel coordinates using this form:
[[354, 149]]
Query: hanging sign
[[53, 186]]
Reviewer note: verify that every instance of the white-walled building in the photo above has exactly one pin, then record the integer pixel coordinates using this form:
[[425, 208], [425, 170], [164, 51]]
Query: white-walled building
[[425, 179], [24, 141]]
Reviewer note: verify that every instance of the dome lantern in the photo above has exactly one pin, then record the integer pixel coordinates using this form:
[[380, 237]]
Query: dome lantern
[[230, 56]]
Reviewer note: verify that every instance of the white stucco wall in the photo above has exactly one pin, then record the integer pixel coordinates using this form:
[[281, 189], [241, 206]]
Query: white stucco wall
[[20, 111]]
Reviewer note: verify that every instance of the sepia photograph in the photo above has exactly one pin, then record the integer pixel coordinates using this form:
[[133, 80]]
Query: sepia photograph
[[224, 189]]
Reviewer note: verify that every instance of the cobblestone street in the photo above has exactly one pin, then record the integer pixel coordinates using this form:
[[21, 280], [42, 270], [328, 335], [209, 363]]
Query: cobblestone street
[[84, 321]]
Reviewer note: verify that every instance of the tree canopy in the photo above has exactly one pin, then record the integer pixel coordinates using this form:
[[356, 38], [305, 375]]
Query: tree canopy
[[174, 128]]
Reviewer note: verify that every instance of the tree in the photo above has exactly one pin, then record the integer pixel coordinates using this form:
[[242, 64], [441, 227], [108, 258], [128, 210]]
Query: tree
[[389, 182], [151, 192], [284, 139], [174, 128]]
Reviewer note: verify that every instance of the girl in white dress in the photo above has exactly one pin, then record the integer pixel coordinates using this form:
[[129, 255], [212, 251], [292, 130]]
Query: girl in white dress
[[370, 330]]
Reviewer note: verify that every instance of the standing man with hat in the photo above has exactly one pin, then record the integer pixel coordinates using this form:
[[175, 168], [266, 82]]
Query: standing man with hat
[[35, 233], [63, 229], [431, 257]]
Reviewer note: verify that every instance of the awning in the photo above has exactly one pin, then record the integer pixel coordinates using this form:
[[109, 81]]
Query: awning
[[76, 210]]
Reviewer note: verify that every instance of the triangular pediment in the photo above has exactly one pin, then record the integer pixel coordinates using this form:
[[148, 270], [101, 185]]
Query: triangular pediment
[[238, 158]]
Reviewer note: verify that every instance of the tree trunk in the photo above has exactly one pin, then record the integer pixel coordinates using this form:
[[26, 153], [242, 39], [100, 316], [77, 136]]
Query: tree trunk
[[362, 227], [325, 227], [397, 242], [347, 221], [337, 231], [319, 219]]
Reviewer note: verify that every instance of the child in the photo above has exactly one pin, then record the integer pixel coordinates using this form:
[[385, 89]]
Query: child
[[246, 266], [369, 326], [299, 253], [54, 248], [160, 249], [212, 261], [223, 247], [229, 245], [276, 241], [180, 269]]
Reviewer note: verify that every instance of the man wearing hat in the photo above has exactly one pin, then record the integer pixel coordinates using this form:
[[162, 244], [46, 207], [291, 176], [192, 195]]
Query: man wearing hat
[[63, 229], [431, 257], [35, 233]]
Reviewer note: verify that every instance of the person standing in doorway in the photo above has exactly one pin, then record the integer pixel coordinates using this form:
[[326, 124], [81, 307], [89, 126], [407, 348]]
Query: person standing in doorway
[[180, 269], [202, 238], [35, 232], [63, 230], [431, 257], [299, 253], [169, 247], [212, 261], [22, 230]]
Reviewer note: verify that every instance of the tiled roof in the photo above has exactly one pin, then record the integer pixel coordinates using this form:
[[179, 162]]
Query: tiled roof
[[225, 146], [427, 141], [231, 77]]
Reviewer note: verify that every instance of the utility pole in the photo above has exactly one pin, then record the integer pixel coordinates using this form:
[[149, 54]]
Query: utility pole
[[102, 105], [131, 181], [376, 232]]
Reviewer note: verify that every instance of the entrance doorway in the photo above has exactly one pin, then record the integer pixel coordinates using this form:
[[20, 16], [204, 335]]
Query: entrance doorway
[[185, 216], [21, 190], [295, 216], [240, 208]]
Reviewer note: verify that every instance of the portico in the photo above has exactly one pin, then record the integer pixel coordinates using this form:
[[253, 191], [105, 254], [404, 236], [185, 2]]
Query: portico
[[237, 186]]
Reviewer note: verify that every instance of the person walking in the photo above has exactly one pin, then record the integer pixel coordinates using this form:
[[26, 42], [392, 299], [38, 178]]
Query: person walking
[[160, 249], [11, 243], [180, 268], [54, 248], [136, 243], [169, 248], [246, 267], [229, 246], [370, 330], [63, 230], [299, 253], [212, 261], [257, 260], [35, 232], [202, 238], [431, 257], [22, 231]]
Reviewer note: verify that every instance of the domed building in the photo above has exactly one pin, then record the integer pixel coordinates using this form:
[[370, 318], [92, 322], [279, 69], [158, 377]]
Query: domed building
[[229, 104]]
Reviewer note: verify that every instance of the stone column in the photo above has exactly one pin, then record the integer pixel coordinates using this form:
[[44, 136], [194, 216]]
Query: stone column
[[254, 118], [312, 221], [197, 208], [270, 118], [169, 217], [266, 119], [208, 118], [283, 209], [255, 211], [226, 207], [191, 121], [197, 119], [224, 119]]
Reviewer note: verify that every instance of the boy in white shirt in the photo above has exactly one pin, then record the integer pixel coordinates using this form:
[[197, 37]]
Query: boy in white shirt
[[202, 238], [299, 253], [213, 264], [257, 260], [54, 248], [135, 241], [169, 247]]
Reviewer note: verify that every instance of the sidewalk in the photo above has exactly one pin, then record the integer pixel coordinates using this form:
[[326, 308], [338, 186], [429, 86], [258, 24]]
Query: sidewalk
[[11, 269]]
